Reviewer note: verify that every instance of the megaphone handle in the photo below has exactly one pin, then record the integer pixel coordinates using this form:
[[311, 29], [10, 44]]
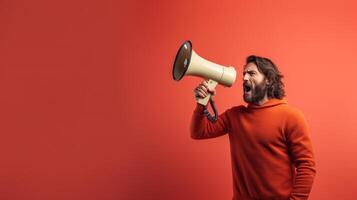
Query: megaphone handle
[[203, 101]]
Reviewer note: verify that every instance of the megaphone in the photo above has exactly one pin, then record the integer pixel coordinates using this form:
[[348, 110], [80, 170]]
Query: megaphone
[[189, 63]]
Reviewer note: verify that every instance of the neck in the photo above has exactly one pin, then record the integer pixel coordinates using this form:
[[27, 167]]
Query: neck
[[262, 101]]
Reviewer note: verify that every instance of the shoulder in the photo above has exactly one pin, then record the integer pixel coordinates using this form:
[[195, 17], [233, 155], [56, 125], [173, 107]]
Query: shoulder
[[292, 112], [239, 108], [233, 111], [294, 116]]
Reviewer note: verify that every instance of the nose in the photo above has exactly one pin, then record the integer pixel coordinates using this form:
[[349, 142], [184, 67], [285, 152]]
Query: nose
[[246, 77]]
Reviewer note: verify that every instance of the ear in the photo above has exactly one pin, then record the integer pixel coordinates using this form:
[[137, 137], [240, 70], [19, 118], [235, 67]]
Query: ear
[[267, 81]]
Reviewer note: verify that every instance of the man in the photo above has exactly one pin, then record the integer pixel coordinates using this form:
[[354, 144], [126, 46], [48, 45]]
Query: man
[[271, 149]]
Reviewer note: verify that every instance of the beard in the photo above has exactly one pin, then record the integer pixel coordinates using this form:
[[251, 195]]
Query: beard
[[257, 93]]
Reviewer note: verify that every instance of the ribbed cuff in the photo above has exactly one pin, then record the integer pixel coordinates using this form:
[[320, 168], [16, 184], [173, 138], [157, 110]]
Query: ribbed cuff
[[199, 109]]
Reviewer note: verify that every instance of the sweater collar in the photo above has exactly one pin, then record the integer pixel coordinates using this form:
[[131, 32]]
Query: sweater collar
[[269, 103]]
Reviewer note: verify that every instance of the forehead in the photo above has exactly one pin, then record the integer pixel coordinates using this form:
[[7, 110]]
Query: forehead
[[251, 67]]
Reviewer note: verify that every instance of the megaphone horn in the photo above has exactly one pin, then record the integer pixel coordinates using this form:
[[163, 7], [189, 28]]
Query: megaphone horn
[[189, 63]]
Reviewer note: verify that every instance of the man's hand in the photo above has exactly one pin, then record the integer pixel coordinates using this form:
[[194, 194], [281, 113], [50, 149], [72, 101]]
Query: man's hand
[[202, 90]]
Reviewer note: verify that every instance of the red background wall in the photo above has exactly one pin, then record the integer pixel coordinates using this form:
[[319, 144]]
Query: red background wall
[[89, 109]]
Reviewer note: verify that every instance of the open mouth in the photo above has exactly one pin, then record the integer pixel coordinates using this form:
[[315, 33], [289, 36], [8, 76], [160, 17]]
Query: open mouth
[[247, 88]]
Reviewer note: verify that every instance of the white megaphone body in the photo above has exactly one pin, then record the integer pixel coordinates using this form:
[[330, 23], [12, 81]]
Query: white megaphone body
[[188, 63]]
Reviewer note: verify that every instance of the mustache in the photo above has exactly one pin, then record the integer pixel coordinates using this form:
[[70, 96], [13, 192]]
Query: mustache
[[246, 83]]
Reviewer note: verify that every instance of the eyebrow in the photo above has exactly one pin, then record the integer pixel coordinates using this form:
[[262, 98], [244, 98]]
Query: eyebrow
[[249, 71]]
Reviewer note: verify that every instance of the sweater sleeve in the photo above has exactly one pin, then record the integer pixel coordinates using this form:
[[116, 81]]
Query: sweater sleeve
[[302, 156], [202, 128]]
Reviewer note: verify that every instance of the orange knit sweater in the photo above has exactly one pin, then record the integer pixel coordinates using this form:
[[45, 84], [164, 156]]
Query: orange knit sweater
[[271, 150]]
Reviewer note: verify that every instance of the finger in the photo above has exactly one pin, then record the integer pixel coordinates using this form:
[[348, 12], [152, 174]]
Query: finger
[[202, 91], [204, 88], [200, 94], [197, 92], [204, 85]]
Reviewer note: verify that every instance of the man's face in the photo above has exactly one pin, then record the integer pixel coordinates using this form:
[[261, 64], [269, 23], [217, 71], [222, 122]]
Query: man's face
[[254, 84]]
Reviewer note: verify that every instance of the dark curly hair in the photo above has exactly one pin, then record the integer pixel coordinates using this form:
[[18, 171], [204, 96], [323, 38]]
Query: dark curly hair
[[271, 72]]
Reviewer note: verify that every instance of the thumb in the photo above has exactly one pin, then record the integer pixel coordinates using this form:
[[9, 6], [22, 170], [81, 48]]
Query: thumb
[[212, 91]]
